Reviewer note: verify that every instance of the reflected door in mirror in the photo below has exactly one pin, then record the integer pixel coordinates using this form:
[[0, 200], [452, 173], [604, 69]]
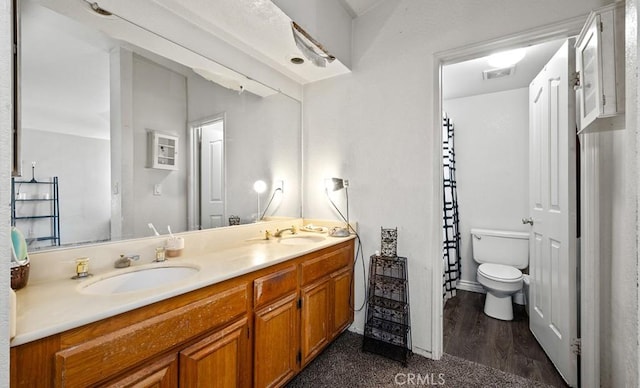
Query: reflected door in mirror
[[212, 174]]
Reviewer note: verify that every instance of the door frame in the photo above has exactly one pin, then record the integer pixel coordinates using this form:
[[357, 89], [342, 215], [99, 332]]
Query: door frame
[[589, 362], [193, 175]]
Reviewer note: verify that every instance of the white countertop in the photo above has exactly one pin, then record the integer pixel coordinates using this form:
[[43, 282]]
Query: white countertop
[[51, 307]]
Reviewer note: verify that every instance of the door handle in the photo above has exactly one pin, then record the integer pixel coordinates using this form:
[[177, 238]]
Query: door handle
[[527, 221]]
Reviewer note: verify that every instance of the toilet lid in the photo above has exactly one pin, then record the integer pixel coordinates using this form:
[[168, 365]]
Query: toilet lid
[[499, 271]]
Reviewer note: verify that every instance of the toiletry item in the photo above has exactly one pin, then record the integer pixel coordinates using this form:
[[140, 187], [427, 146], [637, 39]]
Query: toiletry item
[[174, 246], [155, 232], [339, 232], [19, 253], [160, 254], [82, 268]]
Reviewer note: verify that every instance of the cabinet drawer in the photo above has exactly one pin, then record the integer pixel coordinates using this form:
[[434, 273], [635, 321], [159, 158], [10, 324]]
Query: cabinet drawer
[[325, 264], [271, 287], [107, 355]]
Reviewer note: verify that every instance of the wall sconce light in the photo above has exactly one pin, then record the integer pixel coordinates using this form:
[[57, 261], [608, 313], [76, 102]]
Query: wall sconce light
[[335, 184]]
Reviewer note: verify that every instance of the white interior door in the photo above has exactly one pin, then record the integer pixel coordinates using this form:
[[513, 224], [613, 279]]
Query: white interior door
[[212, 175], [552, 199]]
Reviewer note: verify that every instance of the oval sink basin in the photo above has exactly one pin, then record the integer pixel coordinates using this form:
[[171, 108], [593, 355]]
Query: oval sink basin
[[301, 240], [137, 280]]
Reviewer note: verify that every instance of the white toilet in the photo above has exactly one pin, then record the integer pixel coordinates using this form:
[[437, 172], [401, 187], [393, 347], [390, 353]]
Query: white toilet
[[501, 255]]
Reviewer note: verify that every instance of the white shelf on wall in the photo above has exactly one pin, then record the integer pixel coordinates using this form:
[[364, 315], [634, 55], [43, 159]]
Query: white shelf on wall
[[162, 150], [600, 68]]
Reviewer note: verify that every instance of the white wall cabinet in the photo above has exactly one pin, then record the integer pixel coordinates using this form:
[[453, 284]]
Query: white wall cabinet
[[162, 151], [600, 67]]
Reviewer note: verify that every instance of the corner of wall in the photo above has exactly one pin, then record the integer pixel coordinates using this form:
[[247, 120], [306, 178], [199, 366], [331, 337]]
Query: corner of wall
[[6, 91]]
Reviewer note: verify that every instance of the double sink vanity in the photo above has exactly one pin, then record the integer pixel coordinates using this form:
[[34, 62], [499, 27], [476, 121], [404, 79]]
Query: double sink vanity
[[235, 309]]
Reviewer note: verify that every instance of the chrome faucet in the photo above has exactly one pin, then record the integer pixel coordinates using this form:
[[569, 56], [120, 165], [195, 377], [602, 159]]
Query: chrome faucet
[[125, 261], [292, 229]]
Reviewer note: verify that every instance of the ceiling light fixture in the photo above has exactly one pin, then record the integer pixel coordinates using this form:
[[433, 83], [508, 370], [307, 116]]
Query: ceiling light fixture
[[310, 47], [506, 58]]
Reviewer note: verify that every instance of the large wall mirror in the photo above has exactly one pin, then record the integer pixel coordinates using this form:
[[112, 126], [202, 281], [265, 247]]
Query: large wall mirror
[[140, 131]]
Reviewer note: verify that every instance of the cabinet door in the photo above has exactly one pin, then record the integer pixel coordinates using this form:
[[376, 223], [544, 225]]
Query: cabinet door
[[315, 318], [276, 342], [219, 360], [342, 300], [159, 374], [589, 66]]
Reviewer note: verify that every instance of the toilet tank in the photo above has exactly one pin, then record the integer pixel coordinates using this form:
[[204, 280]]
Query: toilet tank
[[500, 247]]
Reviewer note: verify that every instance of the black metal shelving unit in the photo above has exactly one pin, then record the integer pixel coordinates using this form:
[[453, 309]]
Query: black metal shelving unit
[[387, 330], [52, 214]]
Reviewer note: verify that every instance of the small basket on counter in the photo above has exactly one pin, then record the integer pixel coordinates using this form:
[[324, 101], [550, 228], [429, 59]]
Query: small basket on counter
[[19, 260], [19, 275]]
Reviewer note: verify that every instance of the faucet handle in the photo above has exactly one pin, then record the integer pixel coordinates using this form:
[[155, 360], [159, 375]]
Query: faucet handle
[[294, 230], [267, 235]]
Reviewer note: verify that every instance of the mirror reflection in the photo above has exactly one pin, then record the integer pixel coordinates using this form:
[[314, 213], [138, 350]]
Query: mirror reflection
[[139, 131]]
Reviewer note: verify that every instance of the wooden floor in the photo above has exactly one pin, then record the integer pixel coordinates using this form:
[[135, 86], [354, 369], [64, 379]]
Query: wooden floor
[[505, 345]]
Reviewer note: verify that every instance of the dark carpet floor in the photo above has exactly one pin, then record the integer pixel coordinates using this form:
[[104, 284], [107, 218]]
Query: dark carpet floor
[[344, 364]]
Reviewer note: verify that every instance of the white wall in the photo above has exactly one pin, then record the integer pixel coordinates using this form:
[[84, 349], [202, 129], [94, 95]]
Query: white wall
[[619, 311], [491, 134], [82, 166], [375, 126], [262, 142], [159, 103]]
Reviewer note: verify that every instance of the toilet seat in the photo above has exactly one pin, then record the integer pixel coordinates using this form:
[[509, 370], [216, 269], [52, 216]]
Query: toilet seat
[[500, 272]]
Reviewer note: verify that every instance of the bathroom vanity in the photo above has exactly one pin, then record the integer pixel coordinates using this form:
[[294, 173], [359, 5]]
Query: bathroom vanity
[[277, 307]]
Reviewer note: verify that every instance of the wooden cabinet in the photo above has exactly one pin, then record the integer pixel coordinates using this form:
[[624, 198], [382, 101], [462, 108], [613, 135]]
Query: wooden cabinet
[[275, 298], [327, 299], [158, 374], [342, 300], [315, 319], [276, 342], [97, 357], [246, 331], [600, 66], [218, 360]]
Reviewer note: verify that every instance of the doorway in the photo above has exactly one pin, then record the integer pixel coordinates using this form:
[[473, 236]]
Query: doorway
[[207, 178], [452, 57]]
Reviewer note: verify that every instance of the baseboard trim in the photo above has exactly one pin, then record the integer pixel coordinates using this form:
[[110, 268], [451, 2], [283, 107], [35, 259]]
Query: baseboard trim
[[423, 352], [467, 285]]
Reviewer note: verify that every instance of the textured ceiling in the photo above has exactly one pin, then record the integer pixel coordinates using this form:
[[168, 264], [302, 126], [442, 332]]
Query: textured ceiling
[[257, 27], [358, 7]]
